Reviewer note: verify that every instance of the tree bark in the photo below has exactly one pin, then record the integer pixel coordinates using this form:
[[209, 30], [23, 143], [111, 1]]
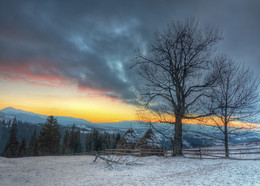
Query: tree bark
[[177, 145], [226, 142]]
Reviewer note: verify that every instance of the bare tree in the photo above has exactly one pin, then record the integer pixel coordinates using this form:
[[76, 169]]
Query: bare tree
[[176, 70], [235, 97]]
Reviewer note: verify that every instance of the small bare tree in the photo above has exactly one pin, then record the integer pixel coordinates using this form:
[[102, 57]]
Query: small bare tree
[[235, 96], [176, 70]]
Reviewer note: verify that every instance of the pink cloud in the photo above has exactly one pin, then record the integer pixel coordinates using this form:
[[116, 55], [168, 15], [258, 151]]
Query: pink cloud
[[39, 74], [24, 73]]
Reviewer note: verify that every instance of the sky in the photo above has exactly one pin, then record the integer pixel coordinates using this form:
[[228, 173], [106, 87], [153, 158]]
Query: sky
[[72, 58]]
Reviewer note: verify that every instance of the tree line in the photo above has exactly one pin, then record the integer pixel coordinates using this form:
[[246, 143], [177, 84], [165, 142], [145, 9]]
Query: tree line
[[50, 142]]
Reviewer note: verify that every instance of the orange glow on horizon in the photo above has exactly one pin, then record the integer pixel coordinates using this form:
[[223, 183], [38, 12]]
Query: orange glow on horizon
[[94, 116], [212, 121], [64, 101], [91, 105]]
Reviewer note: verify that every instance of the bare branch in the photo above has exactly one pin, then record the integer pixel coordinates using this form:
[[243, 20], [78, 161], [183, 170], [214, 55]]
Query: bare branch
[[176, 72]]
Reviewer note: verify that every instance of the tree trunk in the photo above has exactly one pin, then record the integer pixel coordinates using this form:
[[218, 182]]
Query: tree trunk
[[177, 145], [226, 142]]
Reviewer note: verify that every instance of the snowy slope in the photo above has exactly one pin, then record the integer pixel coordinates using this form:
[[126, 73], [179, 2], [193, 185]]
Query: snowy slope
[[81, 170], [30, 117]]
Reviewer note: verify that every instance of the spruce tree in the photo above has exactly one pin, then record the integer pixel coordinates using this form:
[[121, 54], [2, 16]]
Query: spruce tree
[[97, 140], [118, 137], [106, 141], [36, 148], [22, 148], [89, 142], [65, 144], [72, 140], [32, 143], [49, 139], [12, 146], [77, 147]]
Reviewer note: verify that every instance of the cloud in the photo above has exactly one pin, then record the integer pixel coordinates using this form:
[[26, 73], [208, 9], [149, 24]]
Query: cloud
[[89, 42]]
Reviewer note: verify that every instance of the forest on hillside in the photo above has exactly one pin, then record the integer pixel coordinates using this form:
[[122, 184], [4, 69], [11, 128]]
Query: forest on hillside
[[20, 139]]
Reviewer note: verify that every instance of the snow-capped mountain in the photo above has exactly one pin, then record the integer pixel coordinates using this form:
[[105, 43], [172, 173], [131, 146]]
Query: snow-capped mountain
[[193, 135], [9, 113]]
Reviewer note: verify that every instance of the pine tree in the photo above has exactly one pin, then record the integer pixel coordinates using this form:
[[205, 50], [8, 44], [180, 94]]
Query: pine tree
[[106, 141], [77, 147], [49, 139], [12, 147], [89, 143], [118, 137], [36, 148], [97, 140], [22, 148], [72, 140], [65, 144], [32, 143]]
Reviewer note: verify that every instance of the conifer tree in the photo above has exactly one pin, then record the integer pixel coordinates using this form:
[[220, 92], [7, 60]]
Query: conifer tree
[[22, 148], [65, 144], [97, 141], [106, 140], [49, 139], [36, 148], [32, 143], [12, 146], [72, 140], [116, 139], [89, 143], [77, 146]]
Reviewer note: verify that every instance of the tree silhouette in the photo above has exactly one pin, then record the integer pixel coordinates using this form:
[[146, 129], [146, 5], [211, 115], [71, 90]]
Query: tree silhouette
[[49, 139], [32, 143], [77, 146], [65, 144], [72, 140], [235, 97], [175, 69], [22, 148], [12, 147]]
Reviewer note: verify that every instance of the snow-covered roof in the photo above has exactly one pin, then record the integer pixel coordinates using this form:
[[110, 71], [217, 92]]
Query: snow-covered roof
[[130, 137], [150, 140], [153, 141]]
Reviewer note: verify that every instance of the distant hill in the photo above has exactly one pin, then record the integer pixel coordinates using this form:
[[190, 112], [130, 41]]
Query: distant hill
[[193, 135], [9, 113]]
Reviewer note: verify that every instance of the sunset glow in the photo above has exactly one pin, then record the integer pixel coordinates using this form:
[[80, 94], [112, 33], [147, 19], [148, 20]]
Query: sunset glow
[[85, 103], [73, 59], [64, 101]]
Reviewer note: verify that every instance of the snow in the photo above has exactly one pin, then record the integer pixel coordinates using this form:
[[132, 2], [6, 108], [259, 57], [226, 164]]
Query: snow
[[34, 118], [153, 170], [153, 141], [131, 137]]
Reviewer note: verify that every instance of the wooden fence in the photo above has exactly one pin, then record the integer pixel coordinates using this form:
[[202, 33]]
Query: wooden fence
[[134, 152], [219, 153], [216, 152]]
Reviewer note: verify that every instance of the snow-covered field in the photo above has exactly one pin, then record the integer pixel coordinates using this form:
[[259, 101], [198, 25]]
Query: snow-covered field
[[81, 170]]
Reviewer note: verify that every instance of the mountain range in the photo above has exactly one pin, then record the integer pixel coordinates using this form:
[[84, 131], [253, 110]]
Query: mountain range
[[25, 116], [9, 113], [193, 135]]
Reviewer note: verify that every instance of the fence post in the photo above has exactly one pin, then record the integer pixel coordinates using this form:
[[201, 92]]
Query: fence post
[[200, 152]]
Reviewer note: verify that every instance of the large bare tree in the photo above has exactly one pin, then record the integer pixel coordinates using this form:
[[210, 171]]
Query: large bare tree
[[235, 97], [175, 70]]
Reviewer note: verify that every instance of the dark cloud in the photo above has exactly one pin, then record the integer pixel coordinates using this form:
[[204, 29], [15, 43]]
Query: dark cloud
[[90, 42]]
